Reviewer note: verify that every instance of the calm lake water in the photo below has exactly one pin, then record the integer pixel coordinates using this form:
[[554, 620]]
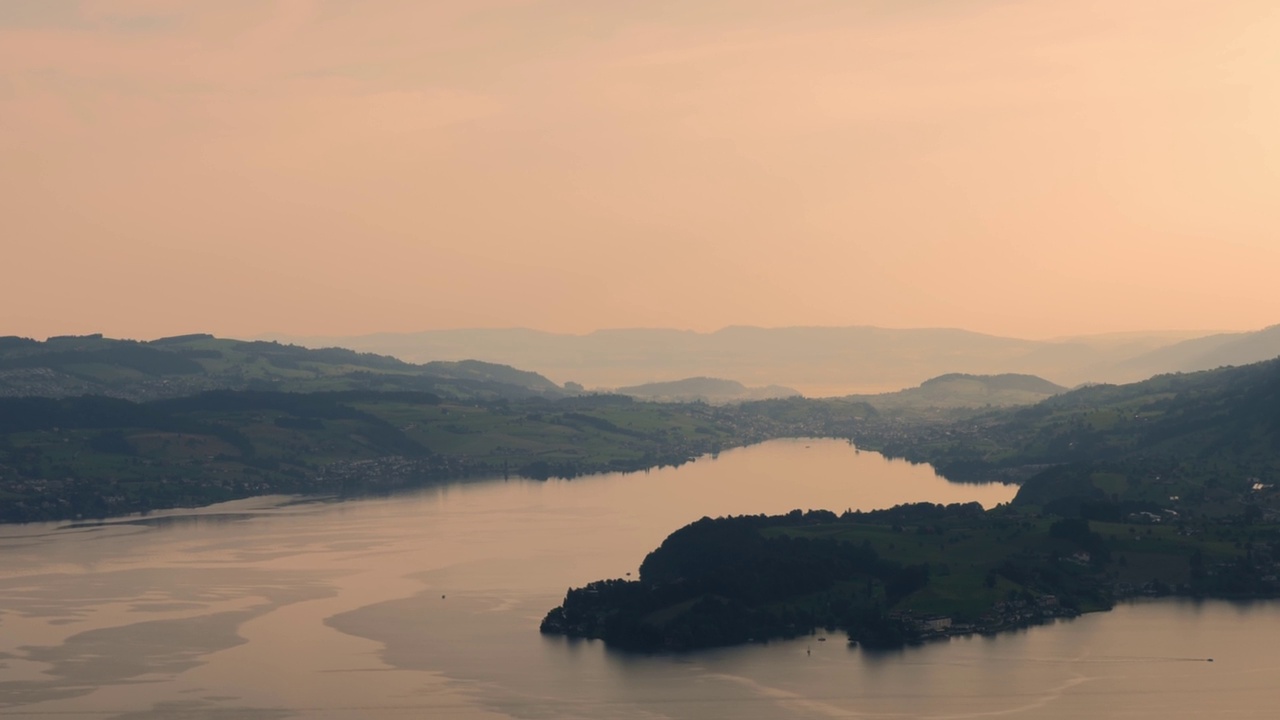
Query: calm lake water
[[427, 605]]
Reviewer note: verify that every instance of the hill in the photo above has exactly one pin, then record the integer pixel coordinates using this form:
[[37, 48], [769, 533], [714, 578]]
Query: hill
[[95, 456], [711, 390], [1207, 442], [958, 390], [69, 366]]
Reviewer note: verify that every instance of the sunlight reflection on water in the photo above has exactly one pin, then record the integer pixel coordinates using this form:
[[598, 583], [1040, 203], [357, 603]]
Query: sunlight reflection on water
[[428, 604]]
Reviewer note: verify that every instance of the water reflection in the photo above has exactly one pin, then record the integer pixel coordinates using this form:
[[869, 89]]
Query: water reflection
[[427, 604], [164, 521]]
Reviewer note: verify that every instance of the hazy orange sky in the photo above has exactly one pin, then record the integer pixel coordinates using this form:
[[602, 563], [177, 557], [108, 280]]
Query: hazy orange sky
[[341, 167]]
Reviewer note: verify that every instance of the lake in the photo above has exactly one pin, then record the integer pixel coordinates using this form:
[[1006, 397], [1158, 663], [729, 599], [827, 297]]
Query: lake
[[427, 604]]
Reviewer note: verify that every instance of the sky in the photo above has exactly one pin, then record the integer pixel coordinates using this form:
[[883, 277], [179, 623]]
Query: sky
[[335, 167]]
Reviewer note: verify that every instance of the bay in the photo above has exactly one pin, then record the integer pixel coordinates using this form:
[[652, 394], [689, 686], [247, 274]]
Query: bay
[[427, 605]]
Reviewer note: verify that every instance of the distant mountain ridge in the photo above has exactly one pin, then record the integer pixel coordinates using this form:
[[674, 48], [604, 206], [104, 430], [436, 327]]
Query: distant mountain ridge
[[817, 361], [1207, 353]]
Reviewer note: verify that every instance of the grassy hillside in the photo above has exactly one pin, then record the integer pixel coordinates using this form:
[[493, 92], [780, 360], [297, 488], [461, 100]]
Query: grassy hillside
[[95, 456]]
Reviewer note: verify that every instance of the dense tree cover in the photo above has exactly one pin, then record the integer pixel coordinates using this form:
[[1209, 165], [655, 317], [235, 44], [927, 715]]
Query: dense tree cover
[[903, 574], [731, 580]]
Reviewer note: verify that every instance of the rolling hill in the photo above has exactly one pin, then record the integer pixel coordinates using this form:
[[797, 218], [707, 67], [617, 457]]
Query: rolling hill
[[711, 390], [958, 390], [69, 366]]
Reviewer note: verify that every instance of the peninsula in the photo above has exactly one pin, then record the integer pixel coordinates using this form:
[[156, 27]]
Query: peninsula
[[1162, 487]]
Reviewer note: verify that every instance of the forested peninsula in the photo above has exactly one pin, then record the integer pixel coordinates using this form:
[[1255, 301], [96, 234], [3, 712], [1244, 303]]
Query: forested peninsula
[[1168, 486]]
